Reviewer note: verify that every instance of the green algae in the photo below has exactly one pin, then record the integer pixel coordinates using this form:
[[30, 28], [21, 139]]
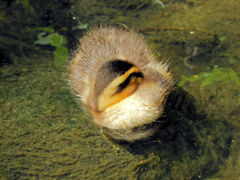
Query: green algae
[[45, 135]]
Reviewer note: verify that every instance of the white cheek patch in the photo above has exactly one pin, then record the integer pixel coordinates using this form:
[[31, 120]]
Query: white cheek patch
[[129, 113]]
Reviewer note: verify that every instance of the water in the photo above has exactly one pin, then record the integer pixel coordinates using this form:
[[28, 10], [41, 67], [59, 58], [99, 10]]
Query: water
[[44, 134]]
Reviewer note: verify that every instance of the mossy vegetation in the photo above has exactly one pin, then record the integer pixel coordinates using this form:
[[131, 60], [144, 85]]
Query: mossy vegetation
[[45, 134]]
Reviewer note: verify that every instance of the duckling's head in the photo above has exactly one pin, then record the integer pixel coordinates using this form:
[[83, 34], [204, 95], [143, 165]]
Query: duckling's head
[[118, 79]]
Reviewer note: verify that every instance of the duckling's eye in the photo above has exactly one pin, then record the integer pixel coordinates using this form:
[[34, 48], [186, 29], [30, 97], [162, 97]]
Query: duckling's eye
[[115, 81]]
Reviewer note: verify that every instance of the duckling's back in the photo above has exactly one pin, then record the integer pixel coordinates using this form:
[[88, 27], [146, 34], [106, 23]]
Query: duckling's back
[[101, 45], [116, 76]]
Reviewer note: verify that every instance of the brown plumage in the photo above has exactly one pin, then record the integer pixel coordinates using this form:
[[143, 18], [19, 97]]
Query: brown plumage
[[119, 80]]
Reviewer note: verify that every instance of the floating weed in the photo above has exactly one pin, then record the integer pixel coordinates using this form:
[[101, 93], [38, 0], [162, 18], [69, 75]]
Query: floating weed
[[220, 74], [56, 40], [192, 79], [225, 75]]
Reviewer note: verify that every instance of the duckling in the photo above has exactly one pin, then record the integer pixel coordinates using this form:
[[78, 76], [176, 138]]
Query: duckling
[[121, 83]]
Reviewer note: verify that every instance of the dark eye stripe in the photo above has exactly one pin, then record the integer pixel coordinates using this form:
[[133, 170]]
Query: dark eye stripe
[[126, 82]]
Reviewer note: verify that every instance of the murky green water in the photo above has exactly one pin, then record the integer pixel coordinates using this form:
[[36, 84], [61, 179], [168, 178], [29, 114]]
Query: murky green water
[[44, 134]]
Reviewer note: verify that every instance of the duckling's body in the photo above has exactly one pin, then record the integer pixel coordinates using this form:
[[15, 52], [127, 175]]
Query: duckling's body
[[118, 79]]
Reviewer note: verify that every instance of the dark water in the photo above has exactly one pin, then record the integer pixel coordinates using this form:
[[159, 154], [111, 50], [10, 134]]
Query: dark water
[[44, 134]]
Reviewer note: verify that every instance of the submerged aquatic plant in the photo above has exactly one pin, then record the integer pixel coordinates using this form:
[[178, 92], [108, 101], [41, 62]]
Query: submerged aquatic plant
[[225, 75], [49, 37]]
